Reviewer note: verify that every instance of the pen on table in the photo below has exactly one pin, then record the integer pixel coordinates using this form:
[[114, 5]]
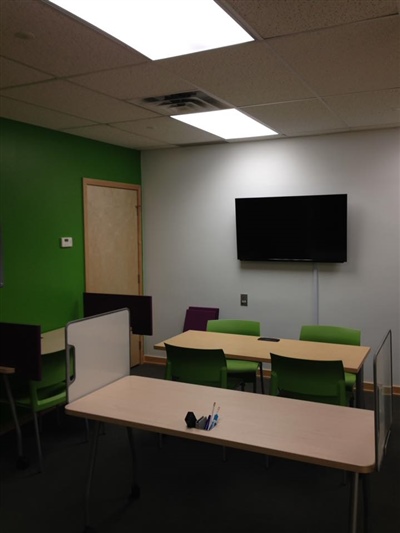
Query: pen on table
[[215, 419], [212, 412], [210, 418]]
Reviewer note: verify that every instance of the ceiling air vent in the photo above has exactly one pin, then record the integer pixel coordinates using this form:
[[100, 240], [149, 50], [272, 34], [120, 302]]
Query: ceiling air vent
[[181, 103]]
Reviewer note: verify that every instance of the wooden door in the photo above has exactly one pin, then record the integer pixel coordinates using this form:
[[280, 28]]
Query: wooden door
[[113, 251]]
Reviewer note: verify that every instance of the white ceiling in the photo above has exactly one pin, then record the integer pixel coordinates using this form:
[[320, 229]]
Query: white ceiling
[[316, 67]]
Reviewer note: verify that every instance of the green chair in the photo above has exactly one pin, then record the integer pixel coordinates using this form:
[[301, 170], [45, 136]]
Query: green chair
[[305, 379], [245, 370], [46, 393], [198, 366], [335, 335]]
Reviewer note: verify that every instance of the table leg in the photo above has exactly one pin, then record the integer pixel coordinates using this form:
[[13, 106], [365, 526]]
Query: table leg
[[92, 459], [353, 503]]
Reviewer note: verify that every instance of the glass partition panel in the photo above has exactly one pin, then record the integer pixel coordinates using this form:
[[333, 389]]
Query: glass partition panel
[[383, 390]]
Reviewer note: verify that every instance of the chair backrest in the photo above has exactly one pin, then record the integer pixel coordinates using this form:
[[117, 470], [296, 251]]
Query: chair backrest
[[304, 379], [196, 318], [51, 389], [240, 327], [333, 334], [198, 366]]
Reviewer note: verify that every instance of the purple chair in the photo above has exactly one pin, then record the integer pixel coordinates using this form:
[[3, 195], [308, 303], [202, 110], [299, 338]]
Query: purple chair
[[197, 317]]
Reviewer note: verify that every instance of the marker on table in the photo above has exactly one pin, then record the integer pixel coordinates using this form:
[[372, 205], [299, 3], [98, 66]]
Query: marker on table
[[215, 419], [212, 412], [210, 418]]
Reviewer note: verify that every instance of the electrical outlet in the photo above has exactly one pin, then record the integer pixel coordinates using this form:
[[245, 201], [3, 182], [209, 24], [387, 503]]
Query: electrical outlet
[[243, 299], [66, 242]]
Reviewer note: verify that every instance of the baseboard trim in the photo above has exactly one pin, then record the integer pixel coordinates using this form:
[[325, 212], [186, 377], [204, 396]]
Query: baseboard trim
[[156, 360]]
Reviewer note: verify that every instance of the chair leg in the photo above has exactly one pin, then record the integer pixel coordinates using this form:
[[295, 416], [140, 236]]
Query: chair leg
[[40, 422], [22, 462], [38, 444], [261, 379], [353, 401], [353, 503]]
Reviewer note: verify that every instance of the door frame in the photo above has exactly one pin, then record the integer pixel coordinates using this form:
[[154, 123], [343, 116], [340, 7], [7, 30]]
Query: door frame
[[117, 185]]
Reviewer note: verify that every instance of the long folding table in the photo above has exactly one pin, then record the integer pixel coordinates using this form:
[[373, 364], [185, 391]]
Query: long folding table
[[327, 435]]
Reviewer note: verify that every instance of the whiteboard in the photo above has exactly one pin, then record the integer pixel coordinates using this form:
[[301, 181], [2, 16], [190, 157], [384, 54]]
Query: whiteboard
[[100, 351]]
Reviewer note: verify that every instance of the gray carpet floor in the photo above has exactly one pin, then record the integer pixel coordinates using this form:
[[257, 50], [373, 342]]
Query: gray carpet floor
[[185, 485]]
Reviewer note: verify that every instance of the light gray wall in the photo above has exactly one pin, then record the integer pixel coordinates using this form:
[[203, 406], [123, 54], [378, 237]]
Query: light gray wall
[[190, 247]]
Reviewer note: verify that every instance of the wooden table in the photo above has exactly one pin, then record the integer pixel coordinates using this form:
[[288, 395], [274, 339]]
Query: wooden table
[[53, 341], [249, 347], [327, 435]]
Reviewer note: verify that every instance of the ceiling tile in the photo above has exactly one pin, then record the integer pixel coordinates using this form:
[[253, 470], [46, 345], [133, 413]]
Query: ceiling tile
[[241, 75], [366, 109], [12, 73], [109, 134], [271, 18], [295, 118], [38, 116], [137, 81], [70, 98], [169, 130], [352, 58]]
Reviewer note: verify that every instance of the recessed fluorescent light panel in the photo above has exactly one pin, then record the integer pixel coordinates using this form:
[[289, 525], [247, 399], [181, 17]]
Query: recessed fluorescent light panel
[[161, 28], [228, 124]]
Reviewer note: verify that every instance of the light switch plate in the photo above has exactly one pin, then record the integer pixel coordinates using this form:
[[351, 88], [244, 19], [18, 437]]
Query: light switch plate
[[243, 299]]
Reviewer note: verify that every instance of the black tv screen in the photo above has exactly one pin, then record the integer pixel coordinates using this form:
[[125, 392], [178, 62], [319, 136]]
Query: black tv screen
[[292, 228]]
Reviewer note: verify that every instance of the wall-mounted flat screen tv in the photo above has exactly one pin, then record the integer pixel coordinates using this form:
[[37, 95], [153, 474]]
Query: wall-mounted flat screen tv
[[292, 228]]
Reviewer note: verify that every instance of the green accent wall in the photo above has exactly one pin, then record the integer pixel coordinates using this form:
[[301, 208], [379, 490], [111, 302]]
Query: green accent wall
[[41, 200]]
